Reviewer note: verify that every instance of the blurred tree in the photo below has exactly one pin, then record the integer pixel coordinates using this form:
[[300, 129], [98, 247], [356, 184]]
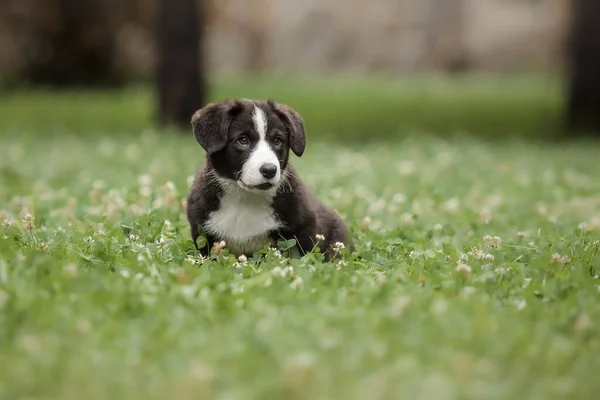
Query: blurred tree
[[583, 107], [446, 35], [180, 73], [69, 42]]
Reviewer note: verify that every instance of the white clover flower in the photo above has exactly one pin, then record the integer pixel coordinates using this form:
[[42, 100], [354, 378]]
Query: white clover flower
[[468, 290], [414, 254], [161, 242], [145, 191], [145, 180], [463, 268], [88, 240], [451, 205], [399, 306], [190, 180], [283, 272], [296, 283], [28, 222], [320, 237], [486, 215], [71, 270], [407, 218], [492, 241], [339, 246], [242, 262], [134, 238], [542, 209], [276, 252], [558, 259], [438, 227], [582, 323], [98, 184], [439, 307], [381, 279], [222, 244], [101, 231], [195, 261], [366, 221], [399, 198], [482, 255], [520, 304]]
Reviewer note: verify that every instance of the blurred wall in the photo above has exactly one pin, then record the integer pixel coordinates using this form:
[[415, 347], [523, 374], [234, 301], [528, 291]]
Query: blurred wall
[[399, 35], [320, 35]]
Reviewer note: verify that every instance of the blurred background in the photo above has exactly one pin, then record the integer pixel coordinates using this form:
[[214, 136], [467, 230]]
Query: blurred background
[[357, 68]]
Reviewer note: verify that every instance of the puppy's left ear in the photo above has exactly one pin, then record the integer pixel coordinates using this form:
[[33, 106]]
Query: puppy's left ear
[[211, 124], [295, 125]]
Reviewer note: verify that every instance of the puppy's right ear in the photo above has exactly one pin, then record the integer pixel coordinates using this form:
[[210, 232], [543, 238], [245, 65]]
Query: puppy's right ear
[[211, 124]]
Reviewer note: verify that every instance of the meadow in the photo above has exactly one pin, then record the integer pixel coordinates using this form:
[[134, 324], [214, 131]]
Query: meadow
[[475, 275]]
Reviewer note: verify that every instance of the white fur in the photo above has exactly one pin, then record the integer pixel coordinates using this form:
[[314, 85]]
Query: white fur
[[244, 219], [262, 154]]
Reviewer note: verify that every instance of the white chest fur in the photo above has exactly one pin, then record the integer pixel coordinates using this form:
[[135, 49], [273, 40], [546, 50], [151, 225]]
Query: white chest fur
[[244, 220]]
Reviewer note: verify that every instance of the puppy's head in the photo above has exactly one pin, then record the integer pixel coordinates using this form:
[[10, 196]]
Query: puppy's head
[[249, 141]]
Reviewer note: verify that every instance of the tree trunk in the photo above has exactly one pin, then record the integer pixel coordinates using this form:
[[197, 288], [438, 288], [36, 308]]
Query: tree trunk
[[69, 42], [583, 106], [180, 78]]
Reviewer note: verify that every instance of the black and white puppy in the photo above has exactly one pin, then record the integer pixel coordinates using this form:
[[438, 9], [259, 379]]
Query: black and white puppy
[[247, 193]]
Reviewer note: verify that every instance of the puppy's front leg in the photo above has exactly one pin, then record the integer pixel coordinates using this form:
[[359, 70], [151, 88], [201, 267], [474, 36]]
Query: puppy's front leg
[[305, 239]]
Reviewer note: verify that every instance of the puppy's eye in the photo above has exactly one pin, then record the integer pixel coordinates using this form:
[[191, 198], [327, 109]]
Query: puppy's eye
[[243, 140], [277, 141]]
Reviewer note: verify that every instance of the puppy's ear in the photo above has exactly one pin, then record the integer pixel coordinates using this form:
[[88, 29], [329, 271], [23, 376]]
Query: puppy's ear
[[295, 126], [211, 124]]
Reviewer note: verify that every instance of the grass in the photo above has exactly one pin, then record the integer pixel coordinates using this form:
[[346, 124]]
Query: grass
[[478, 276], [357, 108]]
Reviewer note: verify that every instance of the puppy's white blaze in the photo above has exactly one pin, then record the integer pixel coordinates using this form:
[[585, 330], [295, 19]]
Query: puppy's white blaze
[[244, 220], [260, 122], [262, 154]]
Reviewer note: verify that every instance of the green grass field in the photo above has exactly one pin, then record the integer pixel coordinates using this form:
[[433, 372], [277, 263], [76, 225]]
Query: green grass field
[[478, 276], [354, 108]]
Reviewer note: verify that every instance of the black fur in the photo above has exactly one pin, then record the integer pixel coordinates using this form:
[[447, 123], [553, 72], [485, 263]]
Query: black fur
[[217, 128]]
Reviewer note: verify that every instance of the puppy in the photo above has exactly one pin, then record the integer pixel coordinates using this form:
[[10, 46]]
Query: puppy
[[247, 193]]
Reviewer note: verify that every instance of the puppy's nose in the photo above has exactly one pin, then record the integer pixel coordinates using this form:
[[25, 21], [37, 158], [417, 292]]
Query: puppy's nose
[[268, 170]]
